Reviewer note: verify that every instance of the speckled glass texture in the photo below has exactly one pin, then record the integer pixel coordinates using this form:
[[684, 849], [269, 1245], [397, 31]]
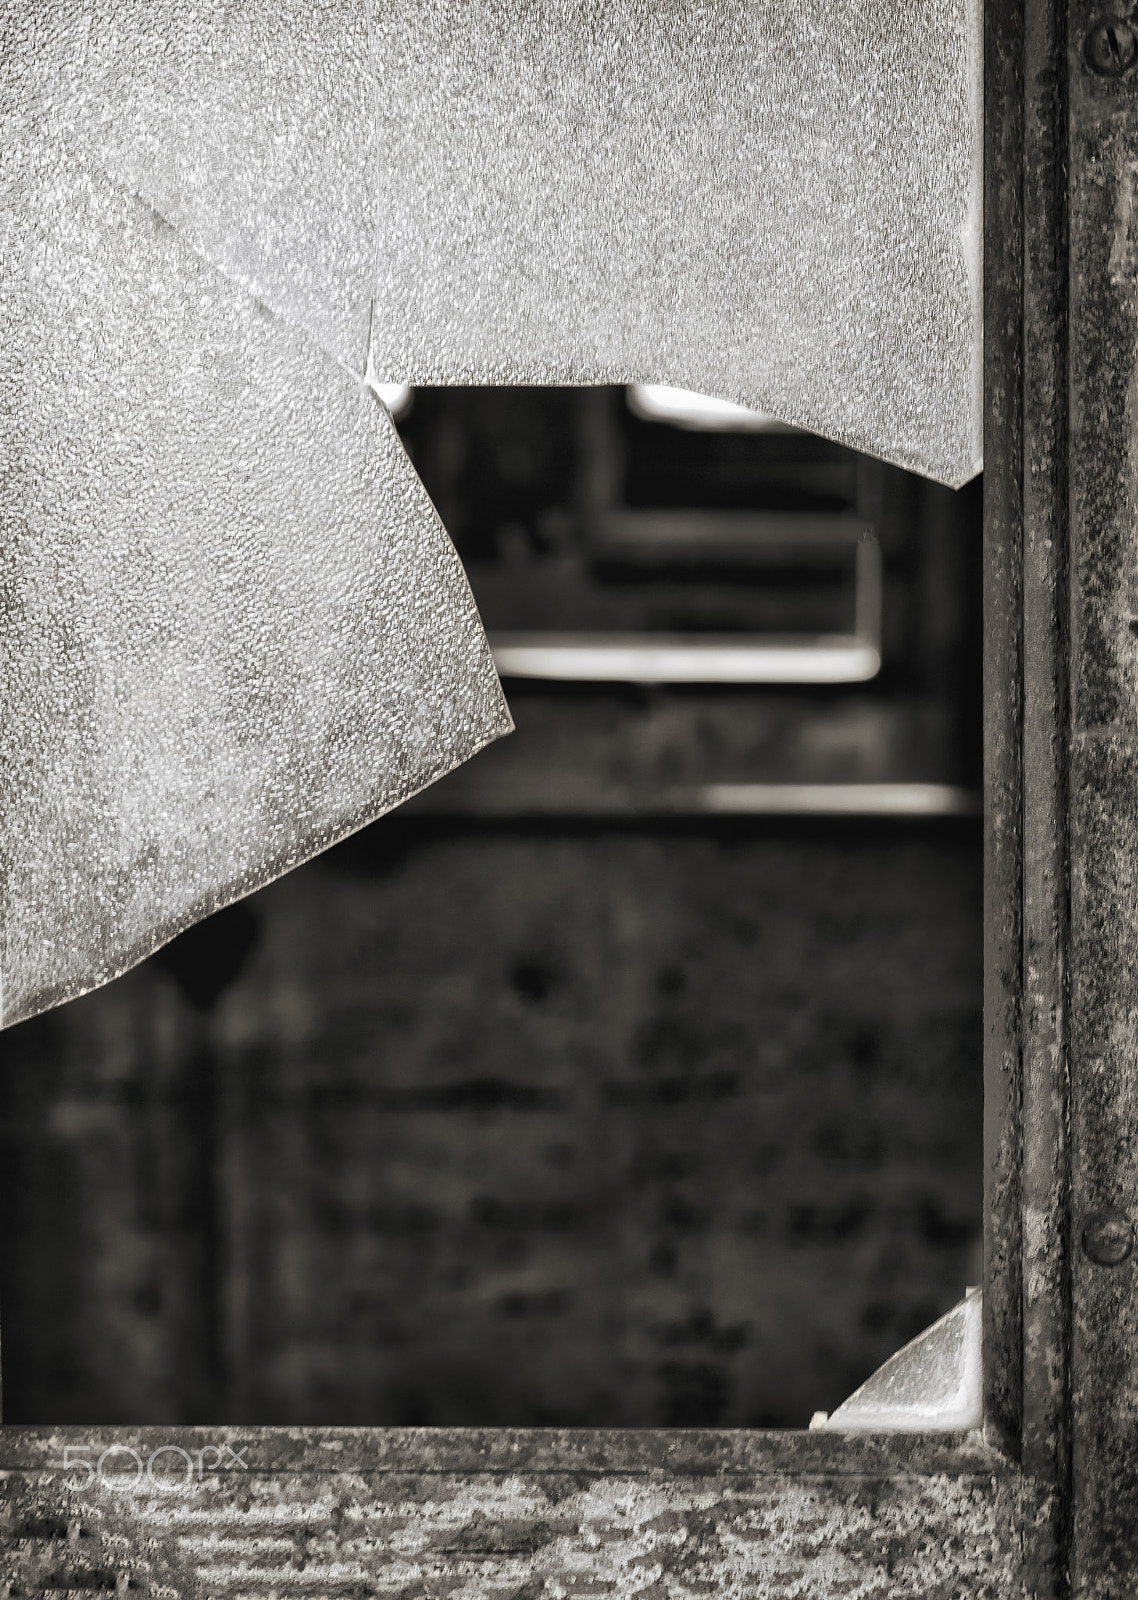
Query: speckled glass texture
[[232, 627], [774, 204], [250, 128]]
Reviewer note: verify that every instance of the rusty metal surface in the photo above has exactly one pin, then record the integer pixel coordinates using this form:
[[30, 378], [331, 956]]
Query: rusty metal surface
[[1003, 721], [1104, 785], [1045, 1190], [425, 1513], [1027, 957]]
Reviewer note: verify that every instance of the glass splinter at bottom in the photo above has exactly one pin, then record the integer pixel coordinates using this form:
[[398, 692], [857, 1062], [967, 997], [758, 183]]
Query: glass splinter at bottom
[[931, 1385]]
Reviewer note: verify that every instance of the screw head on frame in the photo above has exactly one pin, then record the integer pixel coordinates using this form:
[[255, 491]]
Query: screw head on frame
[[1111, 48], [1108, 1237]]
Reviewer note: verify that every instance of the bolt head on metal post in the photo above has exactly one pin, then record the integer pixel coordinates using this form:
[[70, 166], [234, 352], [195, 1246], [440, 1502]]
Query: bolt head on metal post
[[1111, 47], [1108, 1237]]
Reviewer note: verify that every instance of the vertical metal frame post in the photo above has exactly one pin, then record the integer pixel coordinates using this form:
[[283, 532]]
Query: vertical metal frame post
[[1061, 513], [1102, 761], [1026, 1333]]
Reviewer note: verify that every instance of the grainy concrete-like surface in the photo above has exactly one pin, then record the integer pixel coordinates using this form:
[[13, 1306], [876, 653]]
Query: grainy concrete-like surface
[[511, 1514]]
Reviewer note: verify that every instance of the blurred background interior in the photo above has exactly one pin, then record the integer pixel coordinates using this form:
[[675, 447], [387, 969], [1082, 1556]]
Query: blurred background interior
[[629, 1077]]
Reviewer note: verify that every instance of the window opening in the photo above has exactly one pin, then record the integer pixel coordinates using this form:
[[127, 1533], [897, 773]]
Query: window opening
[[629, 1076]]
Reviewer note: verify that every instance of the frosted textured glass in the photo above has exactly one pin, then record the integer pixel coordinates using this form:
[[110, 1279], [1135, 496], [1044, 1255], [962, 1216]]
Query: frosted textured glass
[[232, 626], [775, 204]]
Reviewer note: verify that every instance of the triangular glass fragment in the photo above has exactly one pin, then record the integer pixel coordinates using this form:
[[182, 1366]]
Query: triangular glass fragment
[[234, 629], [931, 1385]]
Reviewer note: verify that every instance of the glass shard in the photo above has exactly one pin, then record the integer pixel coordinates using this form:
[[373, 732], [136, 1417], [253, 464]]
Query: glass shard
[[933, 1384], [234, 629], [777, 209]]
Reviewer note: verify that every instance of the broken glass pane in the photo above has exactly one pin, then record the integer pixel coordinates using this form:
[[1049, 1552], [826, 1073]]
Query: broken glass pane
[[769, 207], [234, 629], [933, 1384]]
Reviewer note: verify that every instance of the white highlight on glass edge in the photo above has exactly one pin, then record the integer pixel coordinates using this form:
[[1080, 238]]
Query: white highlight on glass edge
[[396, 397]]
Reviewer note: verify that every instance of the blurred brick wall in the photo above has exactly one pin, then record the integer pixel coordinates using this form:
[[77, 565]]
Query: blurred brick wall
[[531, 1126]]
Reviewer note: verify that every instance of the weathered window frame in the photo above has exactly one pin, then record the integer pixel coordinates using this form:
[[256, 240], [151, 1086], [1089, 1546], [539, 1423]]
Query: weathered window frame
[[1046, 1501]]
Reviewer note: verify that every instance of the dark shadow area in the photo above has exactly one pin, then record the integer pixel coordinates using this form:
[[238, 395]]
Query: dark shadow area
[[502, 1114]]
